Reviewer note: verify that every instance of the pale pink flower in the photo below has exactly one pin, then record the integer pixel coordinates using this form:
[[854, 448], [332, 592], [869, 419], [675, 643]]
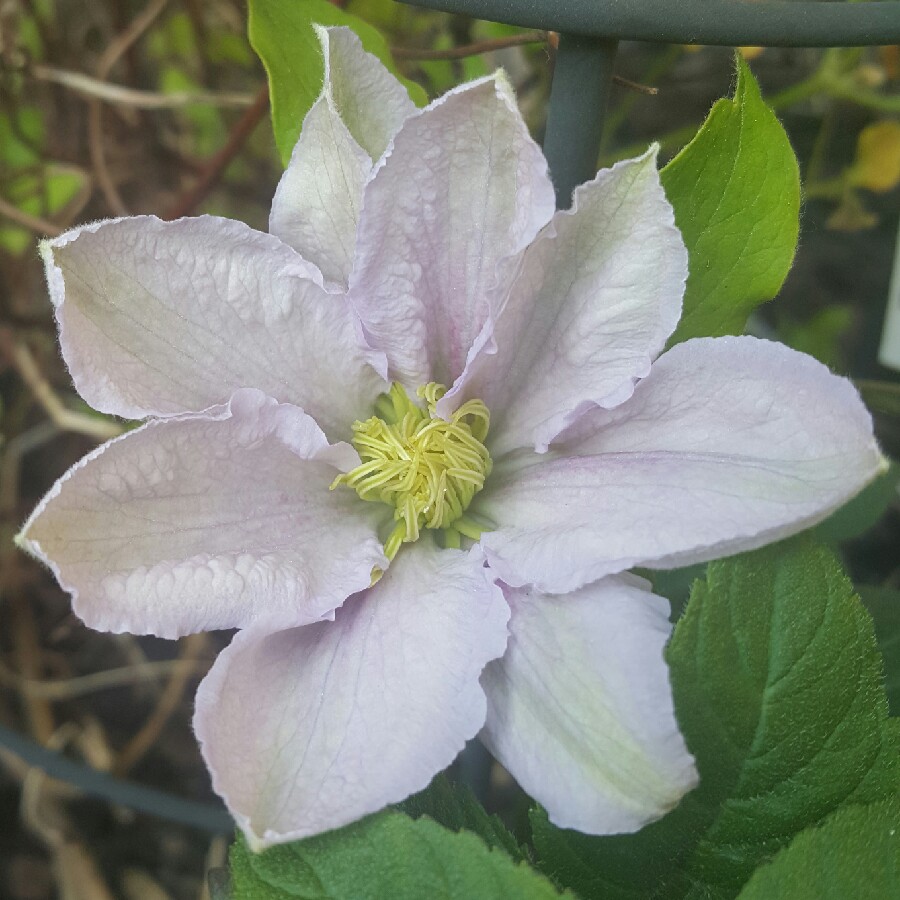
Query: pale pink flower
[[421, 247]]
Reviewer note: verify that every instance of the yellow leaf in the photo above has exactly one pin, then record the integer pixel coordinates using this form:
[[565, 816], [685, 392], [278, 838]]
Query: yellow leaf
[[877, 166], [868, 75], [750, 52], [851, 215], [890, 60]]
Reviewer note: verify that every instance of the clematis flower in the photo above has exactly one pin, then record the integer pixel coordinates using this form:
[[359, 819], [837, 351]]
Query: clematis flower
[[409, 443]]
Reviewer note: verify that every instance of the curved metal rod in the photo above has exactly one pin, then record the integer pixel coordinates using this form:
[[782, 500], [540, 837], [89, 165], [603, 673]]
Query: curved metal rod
[[768, 23], [204, 816]]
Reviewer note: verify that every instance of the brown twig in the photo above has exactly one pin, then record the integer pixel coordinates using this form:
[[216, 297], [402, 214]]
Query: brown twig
[[120, 95], [474, 49], [217, 164], [26, 220], [14, 450], [140, 885], [79, 685], [21, 624], [216, 856], [95, 111], [635, 86], [75, 871], [192, 648], [51, 829], [42, 391], [62, 217], [488, 46]]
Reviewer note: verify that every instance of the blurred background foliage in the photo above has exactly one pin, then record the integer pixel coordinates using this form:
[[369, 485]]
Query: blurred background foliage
[[118, 107]]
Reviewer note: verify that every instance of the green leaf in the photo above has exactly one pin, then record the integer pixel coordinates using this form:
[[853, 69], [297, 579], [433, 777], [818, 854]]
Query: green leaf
[[881, 397], [863, 511], [385, 855], [282, 35], [820, 334], [884, 606], [777, 684], [736, 193], [674, 584], [21, 137], [207, 125], [787, 712], [441, 72], [855, 854], [387, 15], [883, 400], [45, 192], [455, 807]]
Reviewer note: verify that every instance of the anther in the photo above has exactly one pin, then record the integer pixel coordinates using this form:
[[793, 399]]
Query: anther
[[427, 468]]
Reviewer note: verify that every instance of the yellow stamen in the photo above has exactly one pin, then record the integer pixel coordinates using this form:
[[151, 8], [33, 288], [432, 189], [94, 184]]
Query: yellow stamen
[[427, 468]]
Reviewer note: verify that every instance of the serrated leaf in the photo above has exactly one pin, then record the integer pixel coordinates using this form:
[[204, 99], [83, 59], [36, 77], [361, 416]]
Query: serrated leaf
[[855, 854], [637, 866], [883, 400], [455, 807], [385, 855], [777, 684], [674, 584], [884, 605], [788, 710], [863, 511], [736, 193], [282, 35], [881, 397]]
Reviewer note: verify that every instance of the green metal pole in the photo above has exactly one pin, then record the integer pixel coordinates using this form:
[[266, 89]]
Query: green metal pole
[[770, 23], [582, 78], [204, 816]]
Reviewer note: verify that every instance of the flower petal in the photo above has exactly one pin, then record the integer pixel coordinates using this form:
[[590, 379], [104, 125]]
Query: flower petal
[[316, 205], [580, 709], [371, 102], [462, 188], [598, 294], [309, 729], [730, 443], [162, 318], [211, 521]]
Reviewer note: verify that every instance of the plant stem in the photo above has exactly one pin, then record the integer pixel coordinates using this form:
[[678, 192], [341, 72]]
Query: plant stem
[[617, 117], [218, 163]]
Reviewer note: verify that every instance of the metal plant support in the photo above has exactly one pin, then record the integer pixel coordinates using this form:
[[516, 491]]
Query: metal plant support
[[591, 29]]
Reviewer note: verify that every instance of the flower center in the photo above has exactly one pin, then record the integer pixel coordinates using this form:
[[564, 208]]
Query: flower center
[[427, 468]]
